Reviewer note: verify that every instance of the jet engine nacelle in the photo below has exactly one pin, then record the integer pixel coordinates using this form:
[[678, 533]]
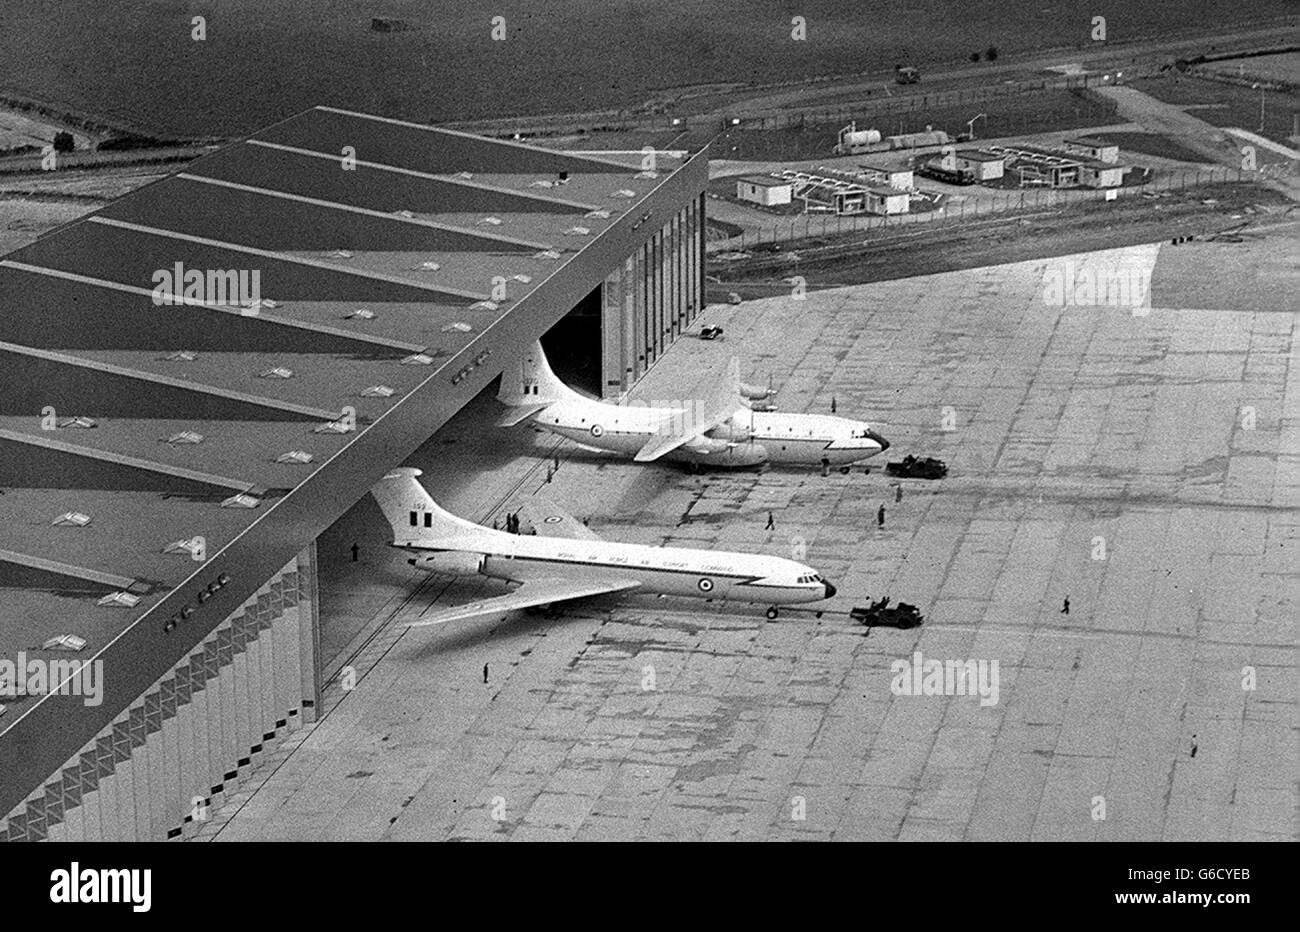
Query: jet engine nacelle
[[455, 563], [729, 432], [756, 392], [735, 456]]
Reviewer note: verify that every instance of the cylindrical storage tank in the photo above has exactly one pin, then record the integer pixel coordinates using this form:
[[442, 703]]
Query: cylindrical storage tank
[[861, 137]]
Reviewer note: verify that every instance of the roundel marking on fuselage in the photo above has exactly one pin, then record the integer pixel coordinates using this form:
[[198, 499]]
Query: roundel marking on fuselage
[[552, 519], [597, 430], [705, 584]]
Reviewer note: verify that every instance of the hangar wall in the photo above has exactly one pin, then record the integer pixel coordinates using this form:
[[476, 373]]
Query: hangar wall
[[180, 749], [651, 298]]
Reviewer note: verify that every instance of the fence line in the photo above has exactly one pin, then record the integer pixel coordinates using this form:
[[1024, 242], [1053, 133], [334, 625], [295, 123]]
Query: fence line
[[864, 107], [871, 108], [1023, 199]]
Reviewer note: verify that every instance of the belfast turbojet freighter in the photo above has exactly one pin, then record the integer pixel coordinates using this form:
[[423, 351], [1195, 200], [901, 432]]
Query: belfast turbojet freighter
[[566, 560], [720, 429]]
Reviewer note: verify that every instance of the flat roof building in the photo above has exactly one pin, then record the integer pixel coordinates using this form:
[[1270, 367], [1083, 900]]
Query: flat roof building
[[198, 379], [982, 165], [885, 200], [767, 190], [1059, 169], [891, 177], [1092, 148]]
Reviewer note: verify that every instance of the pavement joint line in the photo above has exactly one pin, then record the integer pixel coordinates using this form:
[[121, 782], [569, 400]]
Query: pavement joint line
[[284, 257], [430, 176]]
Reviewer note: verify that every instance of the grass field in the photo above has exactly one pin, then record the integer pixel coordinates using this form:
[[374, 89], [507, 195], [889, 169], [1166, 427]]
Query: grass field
[[136, 60], [1227, 104], [1150, 144]]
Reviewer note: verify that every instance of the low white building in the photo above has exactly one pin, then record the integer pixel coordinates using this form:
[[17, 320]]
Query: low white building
[[982, 166], [887, 201], [1092, 148], [764, 189], [1094, 174], [901, 178]]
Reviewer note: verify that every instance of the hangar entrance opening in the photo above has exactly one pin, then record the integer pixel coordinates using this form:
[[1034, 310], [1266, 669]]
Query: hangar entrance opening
[[573, 346]]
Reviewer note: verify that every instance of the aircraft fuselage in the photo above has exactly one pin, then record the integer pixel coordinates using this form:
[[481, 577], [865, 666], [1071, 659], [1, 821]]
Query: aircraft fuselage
[[679, 571], [758, 436]]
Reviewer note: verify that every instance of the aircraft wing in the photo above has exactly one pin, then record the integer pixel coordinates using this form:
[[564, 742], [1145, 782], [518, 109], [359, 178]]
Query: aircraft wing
[[533, 592], [721, 403], [549, 520]]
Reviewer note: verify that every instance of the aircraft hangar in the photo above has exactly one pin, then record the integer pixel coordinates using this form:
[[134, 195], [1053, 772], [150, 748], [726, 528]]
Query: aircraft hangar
[[166, 466]]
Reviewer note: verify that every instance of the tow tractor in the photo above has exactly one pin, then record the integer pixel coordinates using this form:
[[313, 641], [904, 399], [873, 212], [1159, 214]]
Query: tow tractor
[[880, 614]]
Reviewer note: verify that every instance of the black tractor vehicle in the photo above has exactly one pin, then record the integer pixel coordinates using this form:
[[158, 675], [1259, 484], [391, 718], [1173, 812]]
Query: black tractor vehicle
[[879, 614], [912, 467]]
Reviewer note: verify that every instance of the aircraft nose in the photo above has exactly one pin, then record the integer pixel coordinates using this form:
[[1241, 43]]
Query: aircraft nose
[[884, 444], [830, 591]]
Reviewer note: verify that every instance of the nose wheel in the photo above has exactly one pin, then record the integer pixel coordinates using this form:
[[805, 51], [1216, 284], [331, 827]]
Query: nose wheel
[[771, 613]]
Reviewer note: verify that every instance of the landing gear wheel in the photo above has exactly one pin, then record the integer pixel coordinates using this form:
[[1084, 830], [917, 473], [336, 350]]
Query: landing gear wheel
[[771, 613]]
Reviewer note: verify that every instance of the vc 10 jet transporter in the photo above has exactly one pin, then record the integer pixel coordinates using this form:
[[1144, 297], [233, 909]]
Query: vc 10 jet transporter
[[569, 561]]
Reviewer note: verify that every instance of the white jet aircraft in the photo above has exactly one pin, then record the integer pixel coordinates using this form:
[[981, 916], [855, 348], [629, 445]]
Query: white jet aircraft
[[720, 429], [570, 561]]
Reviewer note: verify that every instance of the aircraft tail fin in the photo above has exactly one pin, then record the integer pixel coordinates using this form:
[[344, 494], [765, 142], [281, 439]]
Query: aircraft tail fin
[[411, 511], [531, 383]]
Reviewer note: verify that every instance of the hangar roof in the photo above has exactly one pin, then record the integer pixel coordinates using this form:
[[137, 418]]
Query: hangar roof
[[377, 257]]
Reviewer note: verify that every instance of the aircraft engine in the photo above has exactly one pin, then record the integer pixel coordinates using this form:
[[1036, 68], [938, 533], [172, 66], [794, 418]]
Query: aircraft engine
[[709, 451], [756, 392], [736, 456], [730, 431], [449, 563]]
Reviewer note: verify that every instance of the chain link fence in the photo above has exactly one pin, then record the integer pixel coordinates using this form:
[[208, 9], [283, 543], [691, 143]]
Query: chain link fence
[[986, 204]]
